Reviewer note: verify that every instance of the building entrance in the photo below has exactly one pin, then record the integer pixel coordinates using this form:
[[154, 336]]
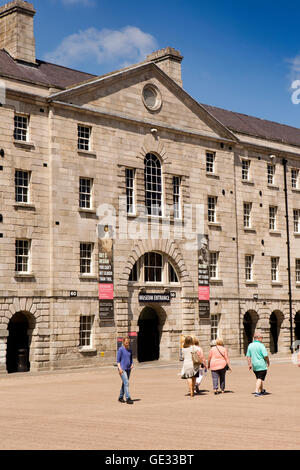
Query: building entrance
[[297, 326], [275, 324], [148, 335], [249, 322], [17, 355]]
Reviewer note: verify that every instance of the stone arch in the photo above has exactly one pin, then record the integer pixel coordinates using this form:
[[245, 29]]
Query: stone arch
[[153, 145], [250, 321], [20, 331], [276, 320], [297, 326], [167, 247]]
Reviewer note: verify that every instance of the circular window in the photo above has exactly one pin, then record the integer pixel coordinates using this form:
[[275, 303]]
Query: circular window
[[152, 97]]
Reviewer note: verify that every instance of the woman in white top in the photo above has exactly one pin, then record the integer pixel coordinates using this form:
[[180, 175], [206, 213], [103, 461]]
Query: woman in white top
[[189, 371]]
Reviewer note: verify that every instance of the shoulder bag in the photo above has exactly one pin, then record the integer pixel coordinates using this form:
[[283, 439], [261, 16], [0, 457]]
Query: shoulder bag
[[227, 366]]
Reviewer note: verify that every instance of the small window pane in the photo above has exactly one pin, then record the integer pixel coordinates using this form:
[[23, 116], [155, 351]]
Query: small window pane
[[84, 134], [20, 128], [85, 335]]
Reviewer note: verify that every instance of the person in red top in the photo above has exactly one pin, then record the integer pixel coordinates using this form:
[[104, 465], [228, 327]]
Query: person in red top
[[218, 363]]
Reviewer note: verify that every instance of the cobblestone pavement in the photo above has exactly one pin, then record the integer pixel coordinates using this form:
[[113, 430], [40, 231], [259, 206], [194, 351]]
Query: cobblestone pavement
[[78, 409]]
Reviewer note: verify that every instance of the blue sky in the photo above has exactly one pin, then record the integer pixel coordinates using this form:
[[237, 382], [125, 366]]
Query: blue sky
[[241, 56]]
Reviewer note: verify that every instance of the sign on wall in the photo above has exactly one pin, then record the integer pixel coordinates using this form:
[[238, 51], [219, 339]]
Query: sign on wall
[[106, 277], [203, 276]]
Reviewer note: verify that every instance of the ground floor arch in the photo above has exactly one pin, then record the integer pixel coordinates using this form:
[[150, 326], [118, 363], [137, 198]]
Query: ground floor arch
[[276, 319], [250, 321], [150, 323], [297, 326], [20, 329]]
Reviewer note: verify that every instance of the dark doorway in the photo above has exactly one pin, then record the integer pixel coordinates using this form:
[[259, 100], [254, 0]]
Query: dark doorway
[[17, 355], [276, 319], [249, 322], [297, 326], [148, 336]]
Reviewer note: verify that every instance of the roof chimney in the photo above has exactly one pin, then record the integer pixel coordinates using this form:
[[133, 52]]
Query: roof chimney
[[169, 60], [16, 30]]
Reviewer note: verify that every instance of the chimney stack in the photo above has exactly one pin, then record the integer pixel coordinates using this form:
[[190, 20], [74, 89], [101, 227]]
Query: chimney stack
[[16, 30], [169, 60]]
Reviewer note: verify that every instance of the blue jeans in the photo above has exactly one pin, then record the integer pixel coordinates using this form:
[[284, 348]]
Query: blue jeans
[[125, 384]]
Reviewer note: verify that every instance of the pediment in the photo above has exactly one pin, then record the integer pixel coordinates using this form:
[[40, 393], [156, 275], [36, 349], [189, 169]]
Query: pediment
[[122, 94]]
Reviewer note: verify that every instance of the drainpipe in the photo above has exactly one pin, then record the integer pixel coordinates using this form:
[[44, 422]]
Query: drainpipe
[[284, 162]]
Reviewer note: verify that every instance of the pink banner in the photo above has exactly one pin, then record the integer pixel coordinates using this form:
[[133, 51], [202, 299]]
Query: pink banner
[[106, 291], [203, 292]]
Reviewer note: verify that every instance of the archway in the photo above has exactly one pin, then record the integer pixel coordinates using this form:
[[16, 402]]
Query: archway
[[249, 321], [17, 353], [148, 336], [297, 326], [276, 319]]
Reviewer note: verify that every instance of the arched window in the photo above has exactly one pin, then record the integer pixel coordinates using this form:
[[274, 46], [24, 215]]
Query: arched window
[[153, 185], [154, 267]]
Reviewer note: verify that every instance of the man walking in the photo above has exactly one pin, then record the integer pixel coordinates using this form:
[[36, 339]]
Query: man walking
[[125, 364], [258, 360]]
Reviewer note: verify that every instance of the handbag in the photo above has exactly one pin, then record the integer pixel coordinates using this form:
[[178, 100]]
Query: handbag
[[227, 366], [196, 359]]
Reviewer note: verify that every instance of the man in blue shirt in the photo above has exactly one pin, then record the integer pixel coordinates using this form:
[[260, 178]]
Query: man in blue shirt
[[125, 364], [258, 360]]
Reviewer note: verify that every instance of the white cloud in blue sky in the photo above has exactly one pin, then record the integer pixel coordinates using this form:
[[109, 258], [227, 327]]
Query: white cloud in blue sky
[[123, 47]]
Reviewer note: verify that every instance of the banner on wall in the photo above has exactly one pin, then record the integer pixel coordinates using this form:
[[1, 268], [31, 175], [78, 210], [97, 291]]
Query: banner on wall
[[203, 276], [106, 273]]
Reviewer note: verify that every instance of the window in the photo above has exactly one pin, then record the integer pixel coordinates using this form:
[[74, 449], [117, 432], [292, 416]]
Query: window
[[249, 267], [247, 214], [296, 214], [210, 162], [130, 190], [22, 256], [274, 269], [271, 174], [176, 197], [153, 185], [85, 334], [153, 267], [213, 264], [85, 193], [294, 178], [84, 134], [212, 203], [214, 326], [297, 270], [21, 128], [245, 169], [172, 273], [133, 276], [272, 217], [86, 258], [22, 186]]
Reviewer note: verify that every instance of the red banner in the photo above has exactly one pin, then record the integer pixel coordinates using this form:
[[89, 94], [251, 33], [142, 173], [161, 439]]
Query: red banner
[[106, 291], [203, 292]]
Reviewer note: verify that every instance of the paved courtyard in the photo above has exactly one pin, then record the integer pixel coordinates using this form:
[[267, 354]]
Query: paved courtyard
[[78, 409]]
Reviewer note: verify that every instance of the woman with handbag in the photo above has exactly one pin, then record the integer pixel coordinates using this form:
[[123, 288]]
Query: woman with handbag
[[191, 363], [218, 363]]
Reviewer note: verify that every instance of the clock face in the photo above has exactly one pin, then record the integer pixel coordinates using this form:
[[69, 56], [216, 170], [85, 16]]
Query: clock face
[[151, 97]]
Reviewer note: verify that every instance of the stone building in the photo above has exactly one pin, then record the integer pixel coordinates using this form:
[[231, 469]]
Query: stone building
[[132, 152]]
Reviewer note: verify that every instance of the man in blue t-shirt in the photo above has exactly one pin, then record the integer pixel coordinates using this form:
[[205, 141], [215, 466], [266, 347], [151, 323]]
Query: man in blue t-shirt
[[258, 360], [125, 364]]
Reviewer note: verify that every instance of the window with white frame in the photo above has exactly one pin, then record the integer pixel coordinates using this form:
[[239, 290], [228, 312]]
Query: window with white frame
[[211, 208], [210, 162], [294, 178], [130, 190], [247, 206], [172, 274], [85, 332], [245, 170], [21, 128], [297, 270], [272, 217], [176, 197], [22, 180], [274, 269], [84, 137], [85, 193], [155, 268], [249, 267], [153, 185], [86, 250], [271, 174], [22, 264], [213, 264], [296, 219], [214, 326]]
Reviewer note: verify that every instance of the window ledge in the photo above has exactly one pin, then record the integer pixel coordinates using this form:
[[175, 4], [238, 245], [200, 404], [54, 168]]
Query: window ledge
[[297, 284], [89, 277], [87, 153], [275, 232], [249, 229], [297, 234], [296, 190], [251, 283], [87, 211], [250, 182], [273, 186], [24, 275], [87, 349], [24, 205], [215, 280], [132, 214], [214, 224], [213, 175], [276, 283], [24, 143]]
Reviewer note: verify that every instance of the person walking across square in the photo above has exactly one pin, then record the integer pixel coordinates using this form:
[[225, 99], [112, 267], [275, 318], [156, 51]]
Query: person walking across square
[[258, 361], [125, 365]]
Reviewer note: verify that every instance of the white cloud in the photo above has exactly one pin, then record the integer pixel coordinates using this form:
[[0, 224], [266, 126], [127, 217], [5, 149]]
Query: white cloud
[[127, 46]]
